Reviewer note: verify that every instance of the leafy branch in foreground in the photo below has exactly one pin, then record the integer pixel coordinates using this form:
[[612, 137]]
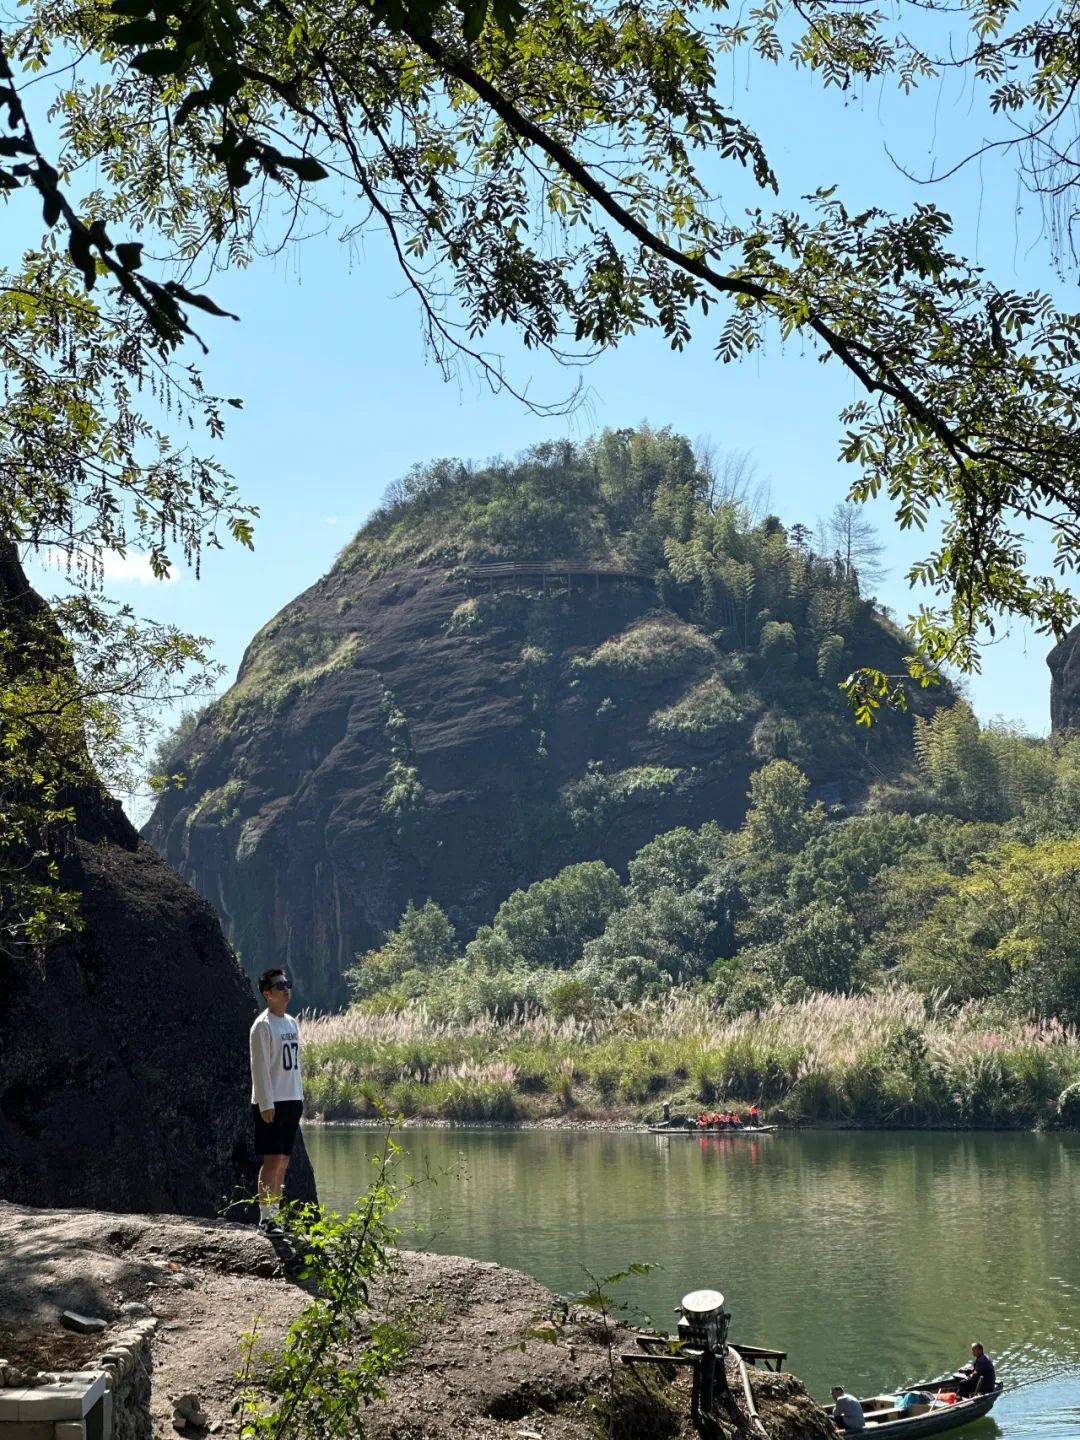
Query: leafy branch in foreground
[[87, 474], [80, 689], [486, 160], [337, 1354], [547, 167], [42, 756]]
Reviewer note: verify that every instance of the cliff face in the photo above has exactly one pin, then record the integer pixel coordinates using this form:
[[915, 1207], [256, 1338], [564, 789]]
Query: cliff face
[[123, 1057], [410, 735], [1064, 662]]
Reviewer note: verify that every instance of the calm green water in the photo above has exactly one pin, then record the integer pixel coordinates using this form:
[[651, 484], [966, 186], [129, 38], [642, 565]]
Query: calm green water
[[870, 1258]]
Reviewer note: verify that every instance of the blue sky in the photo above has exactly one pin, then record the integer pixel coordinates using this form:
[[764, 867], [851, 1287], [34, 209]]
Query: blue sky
[[339, 399]]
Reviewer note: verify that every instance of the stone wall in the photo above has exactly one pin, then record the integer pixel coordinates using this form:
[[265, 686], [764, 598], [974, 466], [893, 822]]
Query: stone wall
[[108, 1399]]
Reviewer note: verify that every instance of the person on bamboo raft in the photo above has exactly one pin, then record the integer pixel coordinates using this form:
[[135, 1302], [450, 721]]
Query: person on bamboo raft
[[979, 1377]]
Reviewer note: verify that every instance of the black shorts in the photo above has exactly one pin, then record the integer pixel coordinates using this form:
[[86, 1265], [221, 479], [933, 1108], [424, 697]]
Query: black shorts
[[277, 1137]]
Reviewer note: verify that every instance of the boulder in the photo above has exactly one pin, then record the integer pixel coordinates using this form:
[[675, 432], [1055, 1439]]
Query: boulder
[[1064, 663], [123, 1055]]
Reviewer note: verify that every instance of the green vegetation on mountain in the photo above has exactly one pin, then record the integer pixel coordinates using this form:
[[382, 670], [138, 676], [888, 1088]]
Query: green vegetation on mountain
[[967, 907], [954, 904]]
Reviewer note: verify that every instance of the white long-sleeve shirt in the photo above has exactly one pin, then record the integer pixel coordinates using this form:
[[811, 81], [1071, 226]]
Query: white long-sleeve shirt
[[274, 1042]]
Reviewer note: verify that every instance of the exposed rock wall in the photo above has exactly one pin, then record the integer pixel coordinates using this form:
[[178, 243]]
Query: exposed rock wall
[[1064, 662], [123, 1057], [492, 705]]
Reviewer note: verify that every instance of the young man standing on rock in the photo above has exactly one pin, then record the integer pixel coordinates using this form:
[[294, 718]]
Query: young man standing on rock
[[277, 1093]]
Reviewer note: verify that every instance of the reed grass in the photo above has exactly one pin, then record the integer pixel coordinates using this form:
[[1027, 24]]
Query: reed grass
[[890, 1058]]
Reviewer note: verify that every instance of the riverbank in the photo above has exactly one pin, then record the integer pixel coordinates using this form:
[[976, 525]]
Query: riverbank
[[891, 1059], [493, 1354]]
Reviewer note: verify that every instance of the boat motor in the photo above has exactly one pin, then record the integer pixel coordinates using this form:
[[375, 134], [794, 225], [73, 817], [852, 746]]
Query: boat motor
[[703, 1326], [703, 1321]]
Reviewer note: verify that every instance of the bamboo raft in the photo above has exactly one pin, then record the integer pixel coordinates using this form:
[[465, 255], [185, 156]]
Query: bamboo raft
[[700, 1130]]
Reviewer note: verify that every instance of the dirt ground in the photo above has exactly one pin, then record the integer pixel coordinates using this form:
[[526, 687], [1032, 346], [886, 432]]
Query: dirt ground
[[474, 1370]]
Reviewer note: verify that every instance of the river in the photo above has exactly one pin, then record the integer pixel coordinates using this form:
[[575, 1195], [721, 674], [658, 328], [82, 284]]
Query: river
[[872, 1258]]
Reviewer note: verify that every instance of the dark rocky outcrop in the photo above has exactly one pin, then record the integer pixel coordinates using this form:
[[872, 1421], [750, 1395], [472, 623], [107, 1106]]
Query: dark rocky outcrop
[[1064, 662], [123, 1055], [397, 736]]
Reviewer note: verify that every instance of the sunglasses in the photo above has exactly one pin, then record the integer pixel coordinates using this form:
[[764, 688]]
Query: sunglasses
[[281, 985]]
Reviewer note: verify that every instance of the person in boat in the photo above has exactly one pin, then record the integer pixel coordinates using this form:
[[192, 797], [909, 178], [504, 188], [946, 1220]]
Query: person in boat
[[753, 1118], [736, 1120], [846, 1411], [979, 1377], [719, 1121], [667, 1112]]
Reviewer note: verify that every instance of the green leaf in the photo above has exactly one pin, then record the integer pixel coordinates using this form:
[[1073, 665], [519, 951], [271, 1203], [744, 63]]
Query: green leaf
[[51, 208], [237, 173], [139, 32], [130, 255], [82, 257], [226, 85], [196, 100], [305, 167], [202, 302], [158, 63], [473, 20]]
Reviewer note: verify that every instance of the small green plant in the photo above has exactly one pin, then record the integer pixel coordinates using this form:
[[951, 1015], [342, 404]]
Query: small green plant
[[404, 796], [337, 1355], [626, 1408], [596, 797], [465, 618]]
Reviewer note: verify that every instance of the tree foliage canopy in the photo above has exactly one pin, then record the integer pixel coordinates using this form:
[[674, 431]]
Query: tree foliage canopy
[[549, 167], [963, 907]]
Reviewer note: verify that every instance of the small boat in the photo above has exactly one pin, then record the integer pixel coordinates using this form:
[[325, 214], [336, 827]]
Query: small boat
[[702, 1130], [885, 1416]]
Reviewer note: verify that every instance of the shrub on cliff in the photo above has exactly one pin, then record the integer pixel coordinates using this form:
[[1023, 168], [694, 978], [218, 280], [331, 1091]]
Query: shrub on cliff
[[707, 712], [653, 649]]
